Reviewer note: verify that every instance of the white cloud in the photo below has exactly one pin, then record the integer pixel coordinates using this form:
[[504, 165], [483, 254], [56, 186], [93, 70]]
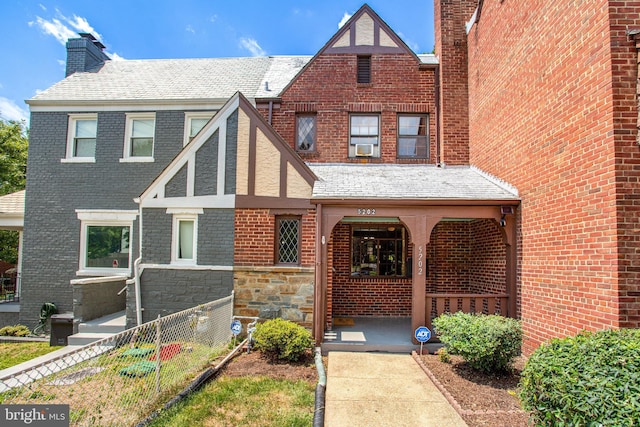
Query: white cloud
[[43, 7], [115, 57], [9, 110], [344, 19], [63, 28], [213, 18], [190, 29], [252, 46], [56, 29]]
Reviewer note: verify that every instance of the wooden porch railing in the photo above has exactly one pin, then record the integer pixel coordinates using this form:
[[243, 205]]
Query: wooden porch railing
[[437, 304]]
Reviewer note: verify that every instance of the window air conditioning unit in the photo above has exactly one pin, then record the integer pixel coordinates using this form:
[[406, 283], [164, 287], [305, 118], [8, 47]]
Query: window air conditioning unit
[[364, 150]]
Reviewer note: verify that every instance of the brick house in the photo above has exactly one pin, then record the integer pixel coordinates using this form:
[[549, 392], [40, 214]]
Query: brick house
[[315, 187]]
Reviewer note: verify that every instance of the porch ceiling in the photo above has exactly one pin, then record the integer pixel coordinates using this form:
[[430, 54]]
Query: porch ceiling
[[408, 182]]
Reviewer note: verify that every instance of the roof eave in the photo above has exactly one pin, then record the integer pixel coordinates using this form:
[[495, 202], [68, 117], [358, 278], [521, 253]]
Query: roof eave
[[416, 202]]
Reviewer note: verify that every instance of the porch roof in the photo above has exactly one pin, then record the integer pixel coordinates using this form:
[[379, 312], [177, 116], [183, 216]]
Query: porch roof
[[408, 182], [12, 211]]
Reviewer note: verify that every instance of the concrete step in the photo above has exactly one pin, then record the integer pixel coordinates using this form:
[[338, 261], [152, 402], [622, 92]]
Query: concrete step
[[97, 329], [112, 323], [84, 338]]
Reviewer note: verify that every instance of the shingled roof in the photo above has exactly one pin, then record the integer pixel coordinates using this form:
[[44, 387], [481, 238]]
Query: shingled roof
[[176, 79], [12, 211], [407, 182]]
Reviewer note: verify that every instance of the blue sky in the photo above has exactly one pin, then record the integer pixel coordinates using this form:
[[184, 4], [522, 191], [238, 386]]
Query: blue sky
[[34, 33]]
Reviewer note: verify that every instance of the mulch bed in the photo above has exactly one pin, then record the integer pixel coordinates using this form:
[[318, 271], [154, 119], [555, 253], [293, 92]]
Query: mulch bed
[[481, 399]]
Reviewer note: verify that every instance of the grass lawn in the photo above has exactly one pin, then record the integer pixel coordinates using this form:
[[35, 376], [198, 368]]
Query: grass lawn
[[12, 354], [245, 401]]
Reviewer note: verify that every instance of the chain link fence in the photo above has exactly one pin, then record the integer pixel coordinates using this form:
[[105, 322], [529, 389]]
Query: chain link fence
[[119, 380]]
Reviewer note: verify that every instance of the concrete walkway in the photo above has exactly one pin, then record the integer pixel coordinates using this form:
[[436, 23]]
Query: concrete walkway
[[382, 389]]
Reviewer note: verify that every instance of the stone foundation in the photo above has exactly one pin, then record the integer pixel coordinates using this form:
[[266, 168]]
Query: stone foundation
[[270, 292]]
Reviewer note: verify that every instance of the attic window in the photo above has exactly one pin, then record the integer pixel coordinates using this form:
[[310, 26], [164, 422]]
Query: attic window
[[364, 69]]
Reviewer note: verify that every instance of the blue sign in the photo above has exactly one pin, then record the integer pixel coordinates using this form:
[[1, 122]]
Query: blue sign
[[423, 334], [236, 327]]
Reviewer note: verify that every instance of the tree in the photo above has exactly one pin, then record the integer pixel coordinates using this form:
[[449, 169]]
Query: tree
[[13, 156], [13, 171]]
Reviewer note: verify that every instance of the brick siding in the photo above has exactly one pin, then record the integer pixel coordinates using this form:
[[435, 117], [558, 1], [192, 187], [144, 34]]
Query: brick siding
[[406, 89], [553, 112]]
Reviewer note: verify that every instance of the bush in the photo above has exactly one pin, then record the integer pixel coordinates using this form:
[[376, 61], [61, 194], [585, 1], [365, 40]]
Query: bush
[[486, 343], [282, 339], [15, 331], [587, 380]]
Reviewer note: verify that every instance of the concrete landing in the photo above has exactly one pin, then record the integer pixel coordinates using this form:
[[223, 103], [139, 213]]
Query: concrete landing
[[380, 389]]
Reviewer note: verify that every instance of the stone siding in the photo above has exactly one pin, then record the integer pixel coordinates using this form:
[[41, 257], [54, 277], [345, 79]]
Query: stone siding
[[275, 292]]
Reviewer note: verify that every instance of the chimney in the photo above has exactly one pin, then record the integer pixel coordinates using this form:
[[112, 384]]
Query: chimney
[[85, 54]]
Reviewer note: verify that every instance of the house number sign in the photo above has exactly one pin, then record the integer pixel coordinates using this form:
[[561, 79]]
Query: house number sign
[[366, 211], [420, 263]]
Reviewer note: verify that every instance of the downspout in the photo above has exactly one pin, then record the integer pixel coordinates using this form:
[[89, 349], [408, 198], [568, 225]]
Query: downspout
[[438, 107], [270, 111], [136, 269]]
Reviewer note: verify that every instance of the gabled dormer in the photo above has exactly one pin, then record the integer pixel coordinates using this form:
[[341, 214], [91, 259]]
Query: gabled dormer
[[365, 97], [365, 33], [235, 160]]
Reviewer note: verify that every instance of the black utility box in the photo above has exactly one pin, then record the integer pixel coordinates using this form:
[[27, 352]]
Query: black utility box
[[61, 328]]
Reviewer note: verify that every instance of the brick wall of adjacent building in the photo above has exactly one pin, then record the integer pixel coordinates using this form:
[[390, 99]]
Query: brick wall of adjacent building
[[552, 111], [329, 89], [451, 48], [625, 16]]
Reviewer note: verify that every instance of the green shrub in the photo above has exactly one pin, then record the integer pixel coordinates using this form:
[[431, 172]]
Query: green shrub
[[282, 339], [15, 331], [486, 343], [592, 379]]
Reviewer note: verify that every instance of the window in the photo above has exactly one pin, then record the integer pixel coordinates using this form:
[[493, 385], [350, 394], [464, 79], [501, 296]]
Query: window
[[306, 133], [364, 69], [379, 251], [184, 241], [140, 132], [105, 242], [413, 139], [81, 138], [193, 123], [364, 134], [288, 240]]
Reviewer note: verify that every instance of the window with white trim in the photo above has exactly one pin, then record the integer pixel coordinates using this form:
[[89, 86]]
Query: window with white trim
[[81, 138], [184, 236], [364, 135], [139, 137], [105, 242], [193, 123]]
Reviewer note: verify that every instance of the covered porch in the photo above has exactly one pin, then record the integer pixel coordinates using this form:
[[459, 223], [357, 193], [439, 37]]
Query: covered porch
[[414, 257], [12, 219]]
